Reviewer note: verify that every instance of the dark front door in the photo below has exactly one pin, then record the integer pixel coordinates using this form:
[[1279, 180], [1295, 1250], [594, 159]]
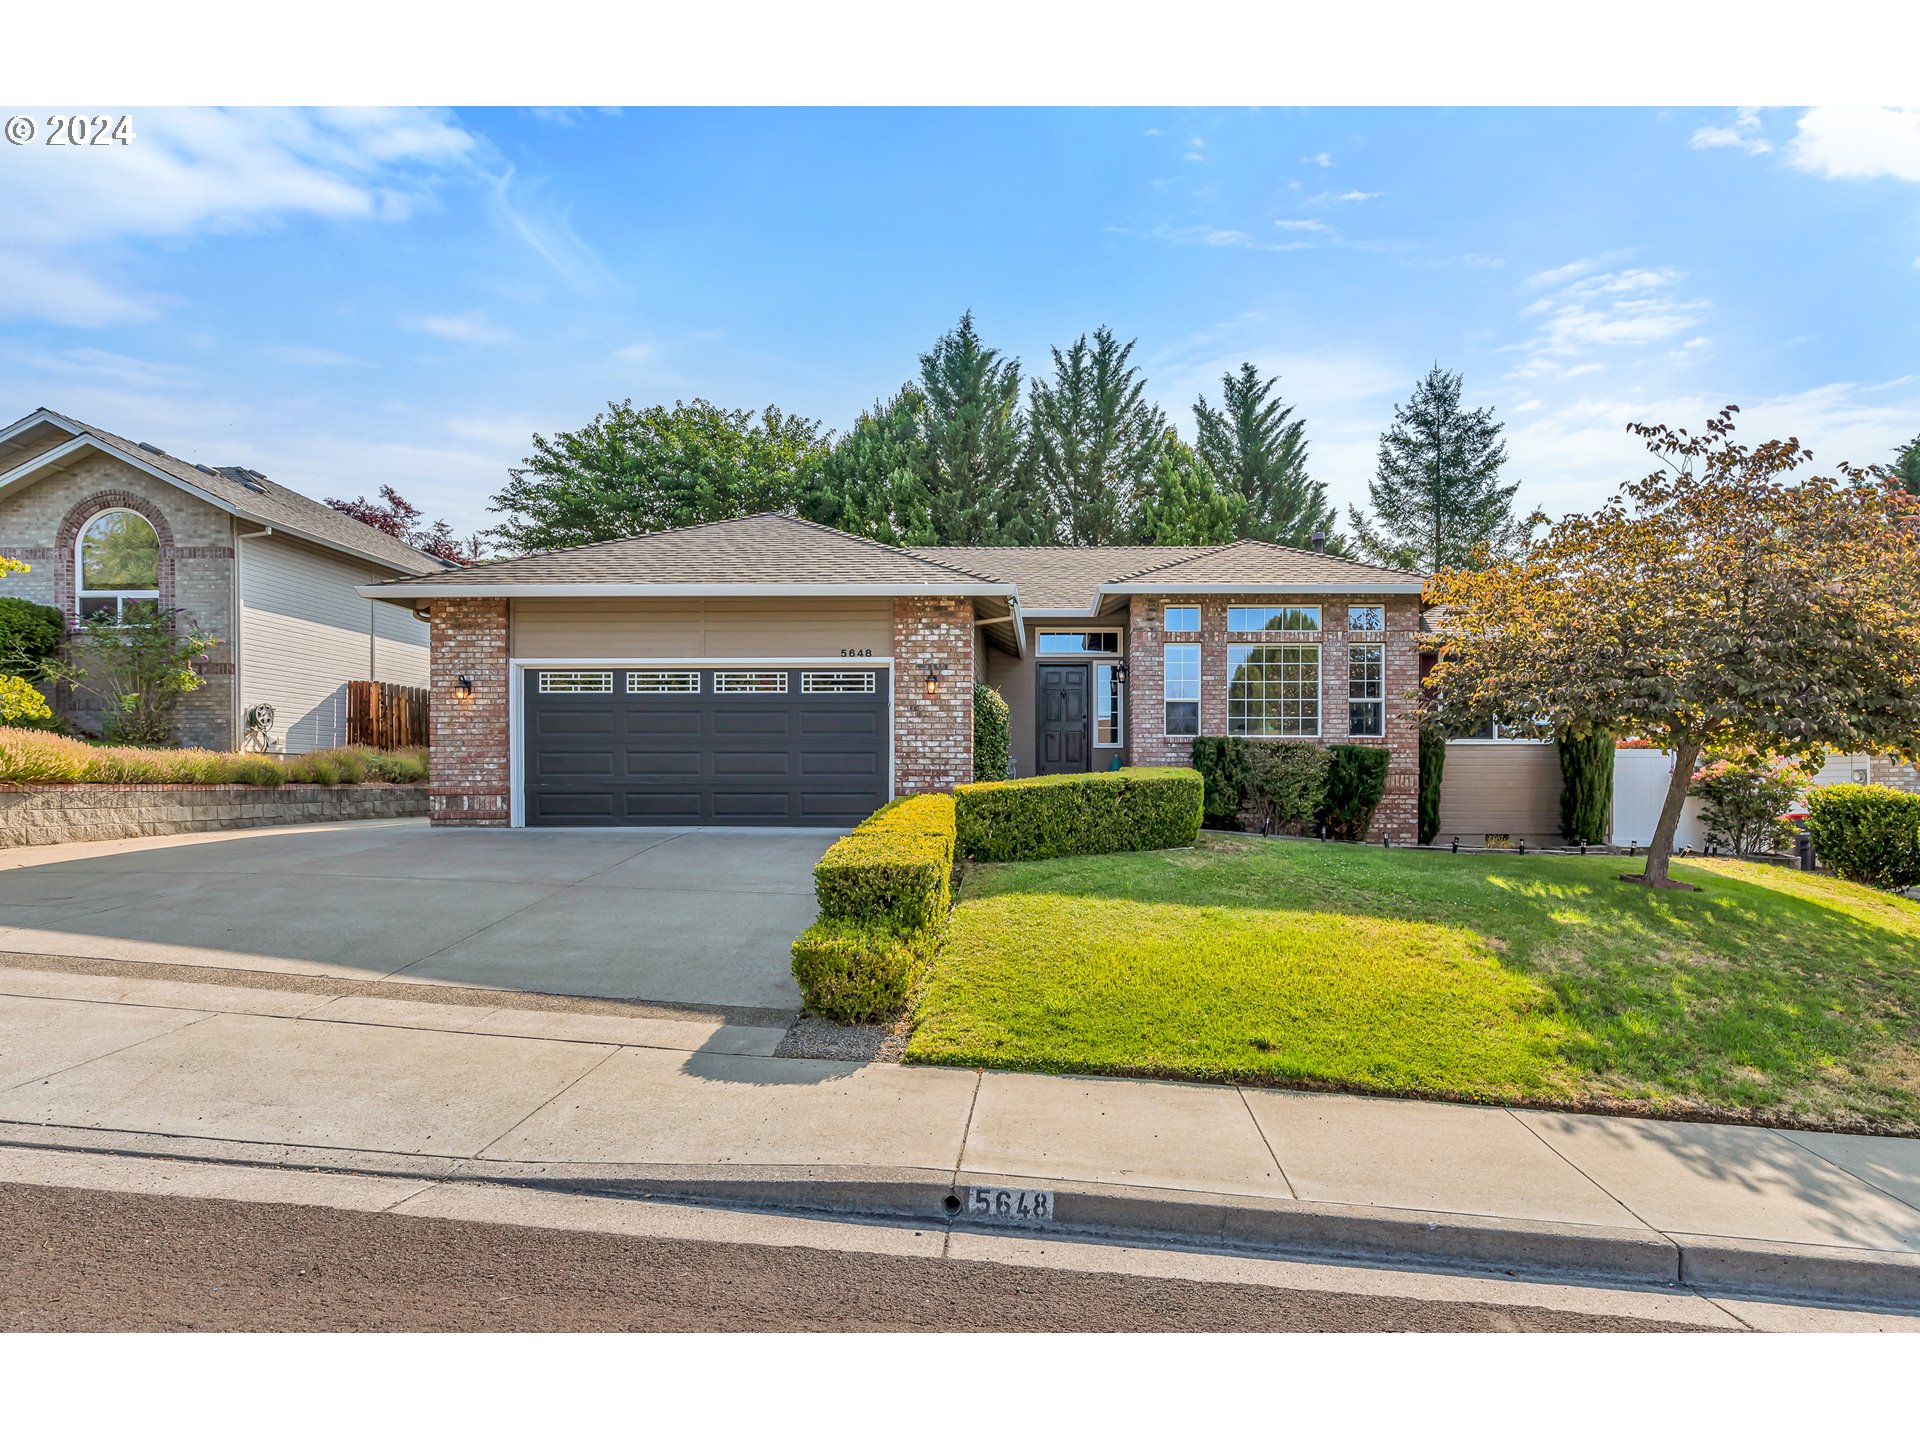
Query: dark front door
[[1066, 719], [706, 745]]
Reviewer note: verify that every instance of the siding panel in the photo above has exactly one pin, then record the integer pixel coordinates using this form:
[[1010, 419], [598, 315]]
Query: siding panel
[[1501, 787], [303, 635], [692, 628]]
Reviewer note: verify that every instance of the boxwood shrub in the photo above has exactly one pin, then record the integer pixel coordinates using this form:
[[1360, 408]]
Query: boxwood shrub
[[1867, 833], [992, 734], [884, 891], [1223, 765], [1140, 808]]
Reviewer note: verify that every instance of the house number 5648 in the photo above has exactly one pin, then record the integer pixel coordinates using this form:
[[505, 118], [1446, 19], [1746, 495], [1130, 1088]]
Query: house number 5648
[[854, 654]]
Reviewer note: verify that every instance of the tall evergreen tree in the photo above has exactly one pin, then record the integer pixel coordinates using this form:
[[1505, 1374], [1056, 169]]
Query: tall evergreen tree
[[973, 434], [1093, 437], [1906, 467], [1257, 450], [870, 482], [1437, 497], [1180, 503]]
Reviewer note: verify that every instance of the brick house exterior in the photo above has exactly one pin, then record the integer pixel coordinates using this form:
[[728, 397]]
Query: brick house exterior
[[768, 670], [268, 573]]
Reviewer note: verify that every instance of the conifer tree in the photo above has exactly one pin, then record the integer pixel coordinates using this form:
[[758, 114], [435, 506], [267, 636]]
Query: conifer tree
[[1258, 451], [1093, 438], [972, 438], [1180, 504], [1436, 494], [869, 483]]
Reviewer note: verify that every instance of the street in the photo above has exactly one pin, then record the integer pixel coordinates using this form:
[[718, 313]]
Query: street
[[94, 1260]]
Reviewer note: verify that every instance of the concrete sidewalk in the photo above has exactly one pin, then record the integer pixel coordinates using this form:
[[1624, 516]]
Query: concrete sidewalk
[[463, 1085]]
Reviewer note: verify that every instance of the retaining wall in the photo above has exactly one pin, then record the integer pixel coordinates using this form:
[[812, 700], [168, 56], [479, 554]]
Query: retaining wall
[[58, 814]]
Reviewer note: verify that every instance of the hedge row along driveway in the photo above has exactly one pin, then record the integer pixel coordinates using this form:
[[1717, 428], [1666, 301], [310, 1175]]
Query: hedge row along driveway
[[1769, 995]]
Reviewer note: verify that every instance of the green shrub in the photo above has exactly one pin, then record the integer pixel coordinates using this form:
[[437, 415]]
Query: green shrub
[[1586, 787], [1867, 833], [1287, 782], [21, 704], [138, 667], [398, 767], [1356, 780], [1433, 768], [856, 974], [34, 757], [1139, 808], [30, 634], [1743, 799], [992, 734], [1222, 763], [895, 869]]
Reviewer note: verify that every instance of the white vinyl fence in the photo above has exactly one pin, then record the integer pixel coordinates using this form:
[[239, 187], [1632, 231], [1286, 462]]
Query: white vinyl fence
[[1640, 780]]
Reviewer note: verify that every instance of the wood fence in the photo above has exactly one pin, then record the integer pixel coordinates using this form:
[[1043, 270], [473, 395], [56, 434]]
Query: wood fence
[[387, 717]]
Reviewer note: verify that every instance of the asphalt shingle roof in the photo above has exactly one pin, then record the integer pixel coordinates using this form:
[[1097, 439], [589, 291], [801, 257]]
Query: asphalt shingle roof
[[269, 503], [1260, 562], [1058, 577], [769, 549]]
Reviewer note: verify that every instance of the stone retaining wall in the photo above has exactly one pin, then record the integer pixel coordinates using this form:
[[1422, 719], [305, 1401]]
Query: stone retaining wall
[[58, 814]]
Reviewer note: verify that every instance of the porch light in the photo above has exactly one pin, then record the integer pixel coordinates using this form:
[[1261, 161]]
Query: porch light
[[463, 687], [933, 681]]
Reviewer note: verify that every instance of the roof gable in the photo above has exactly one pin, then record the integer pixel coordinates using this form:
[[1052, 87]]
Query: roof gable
[[1264, 565]]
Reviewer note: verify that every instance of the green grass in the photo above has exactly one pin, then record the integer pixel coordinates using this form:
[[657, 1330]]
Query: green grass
[[1768, 994]]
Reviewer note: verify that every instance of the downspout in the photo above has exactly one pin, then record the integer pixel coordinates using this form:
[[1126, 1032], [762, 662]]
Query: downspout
[[238, 612]]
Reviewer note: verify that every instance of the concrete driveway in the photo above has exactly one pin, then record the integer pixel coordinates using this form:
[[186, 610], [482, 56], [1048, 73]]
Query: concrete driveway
[[699, 917]]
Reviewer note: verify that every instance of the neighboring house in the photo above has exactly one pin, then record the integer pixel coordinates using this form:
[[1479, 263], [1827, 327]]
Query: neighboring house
[[768, 671], [107, 523]]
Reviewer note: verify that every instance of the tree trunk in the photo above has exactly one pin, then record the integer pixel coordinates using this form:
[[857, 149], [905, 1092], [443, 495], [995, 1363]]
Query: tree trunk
[[1660, 850]]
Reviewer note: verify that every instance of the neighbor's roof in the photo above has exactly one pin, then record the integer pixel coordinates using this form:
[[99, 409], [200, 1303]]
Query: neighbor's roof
[[756, 554], [235, 489]]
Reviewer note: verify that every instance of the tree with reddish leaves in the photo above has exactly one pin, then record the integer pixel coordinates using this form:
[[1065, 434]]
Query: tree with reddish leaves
[[396, 516]]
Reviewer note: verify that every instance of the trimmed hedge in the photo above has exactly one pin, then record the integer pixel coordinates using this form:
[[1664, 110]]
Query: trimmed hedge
[[1356, 781], [884, 892], [992, 734], [1586, 787], [1289, 784], [1223, 766], [1867, 833], [1138, 808], [855, 974], [1433, 767]]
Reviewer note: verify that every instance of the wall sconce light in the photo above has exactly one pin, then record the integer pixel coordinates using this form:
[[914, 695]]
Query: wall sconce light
[[933, 681], [463, 687]]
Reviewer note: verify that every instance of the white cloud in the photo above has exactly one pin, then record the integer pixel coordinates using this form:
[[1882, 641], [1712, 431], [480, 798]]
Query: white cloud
[[470, 329], [1357, 197], [1588, 309], [1743, 133], [1195, 156], [1229, 237], [640, 352], [310, 355], [1323, 160], [1224, 239], [1314, 225], [522, 211], [198, 171], [1155, 131], [1844, 142]]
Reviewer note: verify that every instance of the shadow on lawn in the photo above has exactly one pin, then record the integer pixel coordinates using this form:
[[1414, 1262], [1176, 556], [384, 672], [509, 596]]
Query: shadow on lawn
[[1773, 1000]]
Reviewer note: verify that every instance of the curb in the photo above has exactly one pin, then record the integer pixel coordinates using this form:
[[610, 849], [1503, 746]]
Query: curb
[[1240, 1224]]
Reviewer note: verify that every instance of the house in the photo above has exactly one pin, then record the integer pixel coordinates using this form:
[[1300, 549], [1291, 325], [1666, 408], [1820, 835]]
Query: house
[[108, 523], [769, 671]]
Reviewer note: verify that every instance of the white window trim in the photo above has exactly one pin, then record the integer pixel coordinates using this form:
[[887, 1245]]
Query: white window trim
[[1198, 702], [518, 665], [1353, 699], [831, 682], [1319, 611], [1114, 654], [1167, 629], [1320, 687], [1352, 630], [119, 597], [1119, 693], [547, 673], [634, 674], [733, 672]]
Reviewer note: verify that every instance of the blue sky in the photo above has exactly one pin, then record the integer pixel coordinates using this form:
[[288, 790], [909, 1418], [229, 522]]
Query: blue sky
[[344, 299]]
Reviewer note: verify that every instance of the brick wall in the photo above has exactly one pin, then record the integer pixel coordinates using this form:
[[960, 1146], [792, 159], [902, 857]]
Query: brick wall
[[1398, 814], [1886, 770], [40, 525], [471, 763], [932, 736]]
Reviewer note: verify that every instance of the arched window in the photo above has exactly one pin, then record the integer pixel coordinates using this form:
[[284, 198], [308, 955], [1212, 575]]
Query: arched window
[[117, 566]]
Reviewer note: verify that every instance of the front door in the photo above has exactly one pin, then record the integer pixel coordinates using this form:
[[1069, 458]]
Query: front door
[[1066, 719]]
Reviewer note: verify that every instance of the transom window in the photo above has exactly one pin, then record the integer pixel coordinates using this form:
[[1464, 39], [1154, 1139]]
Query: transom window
[[1108, 722], [836, 682], [117, 566], [663, 682], [1079, 642], [1273, 690], [1183, 619], [1246, 619], [576, 682], [1367, 690], [1180, 682], [1366, 617], [750, 682]]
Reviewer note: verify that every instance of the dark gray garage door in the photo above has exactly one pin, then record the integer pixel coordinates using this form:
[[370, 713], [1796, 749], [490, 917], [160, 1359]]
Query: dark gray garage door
[[731, 745]]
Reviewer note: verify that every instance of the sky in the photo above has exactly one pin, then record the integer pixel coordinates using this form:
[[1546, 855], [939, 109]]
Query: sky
[[345, 299]]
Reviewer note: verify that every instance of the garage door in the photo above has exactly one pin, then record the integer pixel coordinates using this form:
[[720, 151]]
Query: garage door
[[732, 745]]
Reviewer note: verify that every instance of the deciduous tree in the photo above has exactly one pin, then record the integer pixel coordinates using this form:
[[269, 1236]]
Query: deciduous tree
[[1721, 601], [395, 516], [1256, 449]]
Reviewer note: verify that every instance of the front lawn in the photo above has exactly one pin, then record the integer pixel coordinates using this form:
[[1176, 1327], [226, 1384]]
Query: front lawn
[[1769, 994]]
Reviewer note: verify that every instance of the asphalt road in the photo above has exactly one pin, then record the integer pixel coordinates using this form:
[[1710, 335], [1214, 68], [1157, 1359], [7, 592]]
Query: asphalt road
[[99, 1260]]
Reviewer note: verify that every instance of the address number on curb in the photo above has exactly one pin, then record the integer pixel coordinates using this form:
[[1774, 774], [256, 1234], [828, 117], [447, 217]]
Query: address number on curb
[[994, 1202]]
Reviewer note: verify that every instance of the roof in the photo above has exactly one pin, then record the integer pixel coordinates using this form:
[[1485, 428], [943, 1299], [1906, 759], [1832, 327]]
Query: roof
[[1265, 565], [243, 492], [1059, 577], [770, 552]]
